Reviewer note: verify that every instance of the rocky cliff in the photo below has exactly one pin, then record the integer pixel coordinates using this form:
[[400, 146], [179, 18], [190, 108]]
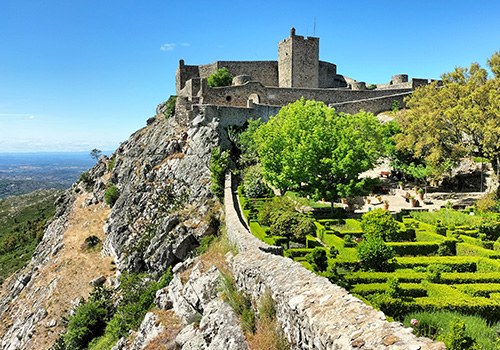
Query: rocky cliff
[[164, 207]]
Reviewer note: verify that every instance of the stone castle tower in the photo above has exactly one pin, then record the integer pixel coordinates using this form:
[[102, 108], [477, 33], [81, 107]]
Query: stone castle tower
[[298, 61]]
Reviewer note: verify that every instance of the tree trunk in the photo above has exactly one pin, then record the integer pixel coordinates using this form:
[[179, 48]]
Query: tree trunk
[[495, 165]]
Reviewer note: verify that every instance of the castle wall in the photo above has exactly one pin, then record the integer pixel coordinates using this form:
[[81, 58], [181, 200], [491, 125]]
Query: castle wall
[[183, 74], [236, 116], [313, 313], [265, 72], [372, 105], [238, 95], [327, 74]]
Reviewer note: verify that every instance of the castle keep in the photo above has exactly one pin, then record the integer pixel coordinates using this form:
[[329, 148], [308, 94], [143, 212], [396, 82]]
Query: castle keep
[[297, 73]]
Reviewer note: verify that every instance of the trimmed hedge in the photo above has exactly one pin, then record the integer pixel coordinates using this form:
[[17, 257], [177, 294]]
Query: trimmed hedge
[[329, 237], [312, 242], [398, 308], [362, 277], [413, 290], [478, 289], [465, 249], [414, 248], [470, 277], [405, 276], [456, 263], [298, 252], [488, 265], [260, 232], [427, 236]]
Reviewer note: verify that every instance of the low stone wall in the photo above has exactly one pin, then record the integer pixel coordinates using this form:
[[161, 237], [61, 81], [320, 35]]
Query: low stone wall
[[372, 105], [314, 313]]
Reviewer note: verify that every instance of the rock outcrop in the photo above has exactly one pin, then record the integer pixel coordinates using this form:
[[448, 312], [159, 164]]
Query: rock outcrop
[[164, 207]]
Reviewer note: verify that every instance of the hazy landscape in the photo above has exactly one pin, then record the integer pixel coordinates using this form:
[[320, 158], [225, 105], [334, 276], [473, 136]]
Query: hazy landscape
[[22, 173]]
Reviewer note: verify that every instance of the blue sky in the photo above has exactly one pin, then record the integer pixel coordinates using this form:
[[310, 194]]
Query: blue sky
[[80, 74]]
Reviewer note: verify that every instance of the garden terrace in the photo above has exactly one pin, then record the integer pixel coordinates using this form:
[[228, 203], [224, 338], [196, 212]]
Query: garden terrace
[[443, 261]]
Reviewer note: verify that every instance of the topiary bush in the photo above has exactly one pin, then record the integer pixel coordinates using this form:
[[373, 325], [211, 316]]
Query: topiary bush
[[374, 254], [318, 259], [220, 78], [380, 223]]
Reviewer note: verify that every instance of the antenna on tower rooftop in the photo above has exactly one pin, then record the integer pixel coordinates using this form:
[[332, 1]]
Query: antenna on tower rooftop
[[314, 33]]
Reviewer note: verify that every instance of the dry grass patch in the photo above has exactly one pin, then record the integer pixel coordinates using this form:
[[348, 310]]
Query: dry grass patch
[[267, 337], [72, 268], [166, 340], [178, 155], [216, 254]]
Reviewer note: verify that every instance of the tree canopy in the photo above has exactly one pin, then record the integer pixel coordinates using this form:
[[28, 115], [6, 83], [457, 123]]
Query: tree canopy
[[310, 146], [458, 118], [220, 78]]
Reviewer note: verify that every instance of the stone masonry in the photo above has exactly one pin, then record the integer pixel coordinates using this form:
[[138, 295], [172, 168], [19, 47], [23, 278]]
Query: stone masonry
[[297, 73]]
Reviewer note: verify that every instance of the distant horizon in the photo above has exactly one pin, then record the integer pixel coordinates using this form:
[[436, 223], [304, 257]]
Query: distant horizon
[[104, 152]]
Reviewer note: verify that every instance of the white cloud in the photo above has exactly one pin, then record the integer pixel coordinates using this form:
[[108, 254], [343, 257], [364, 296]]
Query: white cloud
[[16, 115], [32, 117], [168, 47], [172, 46]]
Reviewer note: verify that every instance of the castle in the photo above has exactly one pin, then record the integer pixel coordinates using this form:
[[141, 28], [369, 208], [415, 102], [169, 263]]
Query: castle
[[297, 73]]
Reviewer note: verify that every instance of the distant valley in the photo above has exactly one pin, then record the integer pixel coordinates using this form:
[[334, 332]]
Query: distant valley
[[22, 173]]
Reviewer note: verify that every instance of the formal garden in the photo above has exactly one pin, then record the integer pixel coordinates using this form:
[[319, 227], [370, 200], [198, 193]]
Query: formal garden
[[412, 266]]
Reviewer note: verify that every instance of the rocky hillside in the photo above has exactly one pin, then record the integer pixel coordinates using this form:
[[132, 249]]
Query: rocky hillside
[[164, 206]]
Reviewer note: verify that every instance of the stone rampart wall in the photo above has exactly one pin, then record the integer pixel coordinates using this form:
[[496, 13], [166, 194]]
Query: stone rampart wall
[[238, 95], [236, 116], [314, 313], [372, 105]]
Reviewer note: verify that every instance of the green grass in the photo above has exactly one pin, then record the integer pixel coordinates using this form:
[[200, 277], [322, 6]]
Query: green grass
[[305, 201], [447, 217], [22, 222], [434, 324]]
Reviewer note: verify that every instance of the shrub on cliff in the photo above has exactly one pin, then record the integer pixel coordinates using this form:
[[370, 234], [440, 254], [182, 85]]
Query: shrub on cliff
[[111, 195], [218, 168], [220, 78]]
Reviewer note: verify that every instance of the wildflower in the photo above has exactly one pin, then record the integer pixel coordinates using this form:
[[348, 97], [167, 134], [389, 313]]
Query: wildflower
[[414, 322]]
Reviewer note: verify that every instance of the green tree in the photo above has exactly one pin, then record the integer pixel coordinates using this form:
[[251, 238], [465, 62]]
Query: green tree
[[309, 143], [247, 145], [461, 117], [253, 183], [380, 223], [218, 168], [220, 78], [95, 153]]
